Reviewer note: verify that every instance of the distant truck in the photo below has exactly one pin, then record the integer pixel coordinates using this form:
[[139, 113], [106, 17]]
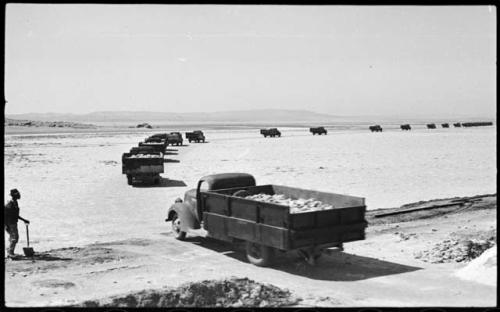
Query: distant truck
[[144, 125], [195, 136], [406, 127], [376, 128], [272, 132], [477, 124], [457, 125], [156, 139], [174, 138], [142, 165], [431, 126], [445, 125], [158, 147], [318, 130], [219, 205], [160, 136]]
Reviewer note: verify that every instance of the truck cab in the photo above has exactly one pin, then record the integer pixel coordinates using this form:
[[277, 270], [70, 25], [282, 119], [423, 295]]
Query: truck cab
[[175, 138], [190, 211]]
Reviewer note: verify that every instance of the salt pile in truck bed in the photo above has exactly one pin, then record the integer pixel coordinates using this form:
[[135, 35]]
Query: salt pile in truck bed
[[296, 205]]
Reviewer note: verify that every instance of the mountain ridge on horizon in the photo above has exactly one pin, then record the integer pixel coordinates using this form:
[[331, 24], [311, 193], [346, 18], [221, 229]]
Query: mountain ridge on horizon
[[145, 116], [258, 115]]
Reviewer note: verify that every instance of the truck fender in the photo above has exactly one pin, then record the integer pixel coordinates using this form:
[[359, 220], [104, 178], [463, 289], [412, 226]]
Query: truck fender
[[188, 219]]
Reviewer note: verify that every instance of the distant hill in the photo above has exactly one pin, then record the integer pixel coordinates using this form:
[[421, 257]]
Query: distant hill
[[261, 117], [51, 124], [143, 116]]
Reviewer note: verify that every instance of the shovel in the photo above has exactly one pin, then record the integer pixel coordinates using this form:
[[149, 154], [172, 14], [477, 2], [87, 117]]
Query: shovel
[[28, 251]]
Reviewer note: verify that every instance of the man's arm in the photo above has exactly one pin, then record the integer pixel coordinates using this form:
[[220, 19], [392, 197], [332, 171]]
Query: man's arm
[[22, 219]]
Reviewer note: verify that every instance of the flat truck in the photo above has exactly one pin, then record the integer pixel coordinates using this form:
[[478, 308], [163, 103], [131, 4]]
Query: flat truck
[[273, 132], [318, 130], [142, 164], [174, 138], [195, 136], [265, 228]]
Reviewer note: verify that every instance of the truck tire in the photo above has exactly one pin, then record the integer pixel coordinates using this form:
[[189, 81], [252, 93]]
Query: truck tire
[[203, 140], [157, 181], [259, 255], [176, 229], [129, 179]]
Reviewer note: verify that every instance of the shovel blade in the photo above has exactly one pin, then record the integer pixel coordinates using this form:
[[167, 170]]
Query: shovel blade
[[28, 251]]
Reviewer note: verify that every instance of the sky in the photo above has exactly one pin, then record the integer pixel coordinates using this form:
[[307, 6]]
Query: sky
[[339, 60]]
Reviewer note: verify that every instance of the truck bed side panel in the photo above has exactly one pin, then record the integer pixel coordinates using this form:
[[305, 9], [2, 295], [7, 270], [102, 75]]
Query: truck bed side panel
[[273, 225], [331, 217], [325, 235], [215, 224], [226, 228]]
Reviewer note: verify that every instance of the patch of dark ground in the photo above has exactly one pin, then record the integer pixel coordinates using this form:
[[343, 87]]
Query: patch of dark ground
[[131, 242], [479, 202], [54, 283], [233, 292], [62, 258], [461, 247]]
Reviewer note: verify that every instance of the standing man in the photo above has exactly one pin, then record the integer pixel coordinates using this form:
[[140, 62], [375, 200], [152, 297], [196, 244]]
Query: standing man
[[11, 215]]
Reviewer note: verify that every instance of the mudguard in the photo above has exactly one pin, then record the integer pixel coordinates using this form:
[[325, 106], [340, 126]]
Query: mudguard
[[186, 215]]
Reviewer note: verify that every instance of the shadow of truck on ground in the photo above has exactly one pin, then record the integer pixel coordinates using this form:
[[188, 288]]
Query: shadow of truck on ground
[[334, 266], [168, 160], [163, 183]]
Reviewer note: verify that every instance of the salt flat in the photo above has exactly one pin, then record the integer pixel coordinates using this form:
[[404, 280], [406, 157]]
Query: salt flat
[[74, 193]]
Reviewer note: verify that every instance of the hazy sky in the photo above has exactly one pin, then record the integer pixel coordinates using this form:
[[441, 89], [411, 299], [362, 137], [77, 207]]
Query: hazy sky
[[343, 60]]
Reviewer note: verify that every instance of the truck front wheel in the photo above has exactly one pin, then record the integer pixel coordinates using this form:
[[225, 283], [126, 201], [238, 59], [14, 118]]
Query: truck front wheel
[[176, 228], [259, 255], [129, 179]]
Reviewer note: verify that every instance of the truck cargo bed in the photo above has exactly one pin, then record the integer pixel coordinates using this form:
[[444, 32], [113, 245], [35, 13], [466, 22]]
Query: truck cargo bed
[[227, 217], [142, 163]]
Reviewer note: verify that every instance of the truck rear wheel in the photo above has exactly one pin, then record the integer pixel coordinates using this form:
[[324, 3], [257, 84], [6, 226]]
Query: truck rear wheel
[[129, 179], [176, 228], [259, 255]]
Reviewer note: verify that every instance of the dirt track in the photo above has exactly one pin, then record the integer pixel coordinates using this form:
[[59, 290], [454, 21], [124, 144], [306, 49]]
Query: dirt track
[[383, 270]]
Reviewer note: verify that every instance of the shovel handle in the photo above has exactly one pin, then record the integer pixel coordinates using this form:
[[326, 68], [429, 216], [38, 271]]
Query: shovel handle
[[27, 235]]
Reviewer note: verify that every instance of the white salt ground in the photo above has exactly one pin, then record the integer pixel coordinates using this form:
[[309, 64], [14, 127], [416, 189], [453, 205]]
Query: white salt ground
[[74, 193], [483, 269]]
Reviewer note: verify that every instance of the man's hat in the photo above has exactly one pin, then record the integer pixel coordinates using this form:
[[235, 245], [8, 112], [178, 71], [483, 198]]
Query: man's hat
[[13, 192]]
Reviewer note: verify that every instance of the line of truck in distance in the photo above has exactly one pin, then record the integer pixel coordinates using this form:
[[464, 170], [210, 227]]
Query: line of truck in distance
[[145, 163], [407, 127], [274, 132]]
